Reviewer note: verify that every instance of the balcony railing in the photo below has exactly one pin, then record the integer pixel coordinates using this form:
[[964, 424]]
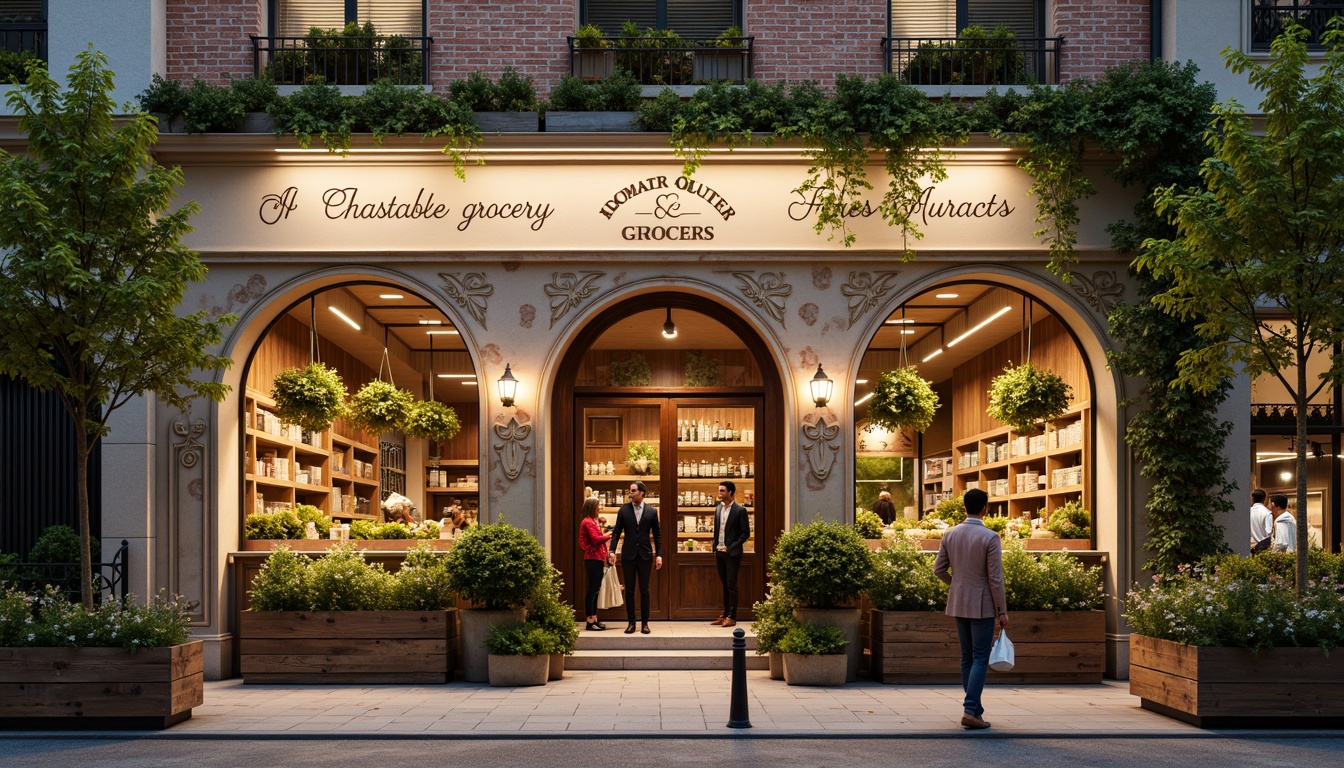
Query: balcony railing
[[110, 580], [24, 37], [1266, 415], [963, 61], [342, 59], [658, 61], [1270, 17]]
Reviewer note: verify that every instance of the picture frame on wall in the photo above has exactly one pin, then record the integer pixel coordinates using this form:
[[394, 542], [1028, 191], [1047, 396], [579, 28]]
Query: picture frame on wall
[[603, 432]]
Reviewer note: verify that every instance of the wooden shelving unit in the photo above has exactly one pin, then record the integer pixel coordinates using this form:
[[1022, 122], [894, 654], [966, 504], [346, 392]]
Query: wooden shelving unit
[[1027, 475], [936, 477]]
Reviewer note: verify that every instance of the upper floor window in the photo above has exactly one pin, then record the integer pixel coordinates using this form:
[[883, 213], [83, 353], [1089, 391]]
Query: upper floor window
[[947, 18], [971, 42], [23, 33], [1270, 17], [294, 18], [694, 19]]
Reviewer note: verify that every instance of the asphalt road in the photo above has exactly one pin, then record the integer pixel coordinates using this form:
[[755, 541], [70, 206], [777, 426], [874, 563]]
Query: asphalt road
[[1205, 751]]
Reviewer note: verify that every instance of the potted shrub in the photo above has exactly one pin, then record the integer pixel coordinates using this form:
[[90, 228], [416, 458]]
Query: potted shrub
[[774, 618], [120, 665], [311, 397], [642, 458], [551, 613], [814, 654], [869, 526], [340, 619], [431, 420], [1025, 396], [379, 406], [498, 569], [902, 399], [1072, 524], [1205, 637], [593, 57], [1058, 632], [606, 105], [825, 567], [725, 59], [506, 106], [520, 654]]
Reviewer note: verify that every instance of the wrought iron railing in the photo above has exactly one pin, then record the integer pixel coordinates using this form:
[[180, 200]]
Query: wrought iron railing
[[110, 580], [655, 60], [1270, 17], [972, 61], [17, 39], [343, 59], [1285, 415]]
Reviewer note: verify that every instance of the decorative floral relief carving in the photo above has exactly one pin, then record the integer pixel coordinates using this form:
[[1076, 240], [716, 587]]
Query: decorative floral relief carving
[[821, 445], [865, 290], [469, 291], [1102, 291], [512, 451], [767, 292], [568, 290], [187, 502], [189, 449]]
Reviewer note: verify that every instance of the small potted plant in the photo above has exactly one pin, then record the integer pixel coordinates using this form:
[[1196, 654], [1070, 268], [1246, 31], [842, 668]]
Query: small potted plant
[[593, 59], [1025, 396], [902, 399], [868, 525], [311, 397], [379, 406], [642, 458], [430, 420], [1071, 522], [725, 59], [520, 654], [774, 618], [554, 615], [814, 654]]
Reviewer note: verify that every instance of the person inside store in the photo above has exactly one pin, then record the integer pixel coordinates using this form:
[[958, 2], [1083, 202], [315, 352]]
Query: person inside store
[[1262, 523], [1285, 525], [732, 529], [970, 561], [638, 522], [593, 542], [883, 507]]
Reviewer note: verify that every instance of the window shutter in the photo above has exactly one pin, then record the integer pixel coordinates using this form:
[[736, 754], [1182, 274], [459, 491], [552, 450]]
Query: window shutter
[[700, 19], [923, 18], [22, 11], [293, 18], [394, 17], [1018, 15], [609, 15]]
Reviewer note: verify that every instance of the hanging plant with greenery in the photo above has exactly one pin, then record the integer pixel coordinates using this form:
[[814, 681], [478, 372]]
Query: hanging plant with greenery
[[1025, 396], [431, 420], [633, 372], [379, 406], [701, 371], [902, 399], [311, 397]]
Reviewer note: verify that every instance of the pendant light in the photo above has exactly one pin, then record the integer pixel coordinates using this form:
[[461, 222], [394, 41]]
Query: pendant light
[[669, 327]]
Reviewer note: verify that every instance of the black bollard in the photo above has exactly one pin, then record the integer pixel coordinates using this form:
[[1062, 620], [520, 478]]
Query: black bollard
[[737, 710]]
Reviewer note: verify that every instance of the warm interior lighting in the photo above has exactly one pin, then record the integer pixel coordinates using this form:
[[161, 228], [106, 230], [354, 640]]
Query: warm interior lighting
[[861, 381], [946, 295], [932, 355], [470, 383], [391, 296], [431, 322], [508, 387], [669, 327], [344, 317], [440, 333], [1285, 476], [457, 376], [980, 325], [821, 386], [863, 399], [907, 332], [900, 322]]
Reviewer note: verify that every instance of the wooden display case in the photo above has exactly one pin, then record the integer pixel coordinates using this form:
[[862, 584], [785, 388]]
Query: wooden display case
[[936, 477]]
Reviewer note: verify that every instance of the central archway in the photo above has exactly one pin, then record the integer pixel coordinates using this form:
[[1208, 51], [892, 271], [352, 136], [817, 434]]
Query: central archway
[[688, 587]]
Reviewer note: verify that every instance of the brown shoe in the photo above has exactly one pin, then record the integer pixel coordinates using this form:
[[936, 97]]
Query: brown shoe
[[729, 622], [718, 621], [972, 723], [630, 628], [643, 628]]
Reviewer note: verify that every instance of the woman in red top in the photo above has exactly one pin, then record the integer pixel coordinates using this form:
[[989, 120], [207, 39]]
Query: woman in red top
[[593, 542]]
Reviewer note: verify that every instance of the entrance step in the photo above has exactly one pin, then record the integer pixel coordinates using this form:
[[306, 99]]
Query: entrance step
[[672, 645]]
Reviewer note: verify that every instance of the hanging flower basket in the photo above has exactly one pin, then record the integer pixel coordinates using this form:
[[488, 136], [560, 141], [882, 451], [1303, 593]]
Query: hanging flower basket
[[431, 420], [379, 406], [902, 399], [1025, 396], [311, 397]]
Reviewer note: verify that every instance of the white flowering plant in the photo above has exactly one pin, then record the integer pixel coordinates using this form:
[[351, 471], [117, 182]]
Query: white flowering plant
[[903, 579], [48, 619], [1223, 603]]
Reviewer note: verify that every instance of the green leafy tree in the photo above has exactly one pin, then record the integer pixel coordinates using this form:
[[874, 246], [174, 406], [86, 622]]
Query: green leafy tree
[[92, 267], [1259, 258]]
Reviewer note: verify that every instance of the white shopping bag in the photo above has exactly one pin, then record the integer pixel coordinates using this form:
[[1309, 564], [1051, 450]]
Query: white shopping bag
[[1001, 655], [610, 594]]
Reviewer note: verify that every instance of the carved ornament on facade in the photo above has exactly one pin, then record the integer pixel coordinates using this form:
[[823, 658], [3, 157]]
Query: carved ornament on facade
[[512, 449], [1101, 291], [469, 291], [865, 291], [821, 446], [767, 292], [570, 289]]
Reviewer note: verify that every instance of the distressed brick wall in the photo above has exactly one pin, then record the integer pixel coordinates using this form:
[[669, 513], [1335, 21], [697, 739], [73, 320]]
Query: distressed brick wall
[[816, 39], [1101, 33], [208, 39], [489, 35]]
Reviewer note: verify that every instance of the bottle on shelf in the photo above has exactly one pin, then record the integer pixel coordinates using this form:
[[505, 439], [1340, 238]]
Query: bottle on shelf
[[718, 430]]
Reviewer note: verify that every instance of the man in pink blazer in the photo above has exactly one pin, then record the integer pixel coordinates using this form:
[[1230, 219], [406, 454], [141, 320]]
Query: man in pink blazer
[[974, 556]]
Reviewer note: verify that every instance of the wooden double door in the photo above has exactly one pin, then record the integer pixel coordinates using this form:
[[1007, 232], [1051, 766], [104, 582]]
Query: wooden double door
[[682, 448]]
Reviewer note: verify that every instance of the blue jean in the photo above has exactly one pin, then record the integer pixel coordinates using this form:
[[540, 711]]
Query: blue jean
[[977, 637]]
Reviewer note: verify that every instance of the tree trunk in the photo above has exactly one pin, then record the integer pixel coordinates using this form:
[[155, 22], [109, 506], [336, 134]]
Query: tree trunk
[[1301, 470], [85, 554]]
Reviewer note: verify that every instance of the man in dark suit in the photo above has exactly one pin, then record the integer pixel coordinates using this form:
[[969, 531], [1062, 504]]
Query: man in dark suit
[[636, 520], [732, 529], [975, 598]]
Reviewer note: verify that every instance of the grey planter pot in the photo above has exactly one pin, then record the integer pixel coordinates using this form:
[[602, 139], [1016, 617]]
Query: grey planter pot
[[848, 620], [476, 624], [257, 122], [590, 122], [516, 671], [507, 122], [557, 667], [776, 665], [801, 669]]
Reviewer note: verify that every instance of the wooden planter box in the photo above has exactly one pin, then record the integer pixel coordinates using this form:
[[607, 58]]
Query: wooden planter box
[[356, 647], [1055, 545], [1235, 688], [921, 648], [507, 122], [322, 545], [591, 122], [85, 688]]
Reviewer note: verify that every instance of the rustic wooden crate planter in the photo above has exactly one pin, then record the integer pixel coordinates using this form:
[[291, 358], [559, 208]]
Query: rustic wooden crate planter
[[921, 648], [322, 545], [356, 647], [91, 688], [1235, 688]]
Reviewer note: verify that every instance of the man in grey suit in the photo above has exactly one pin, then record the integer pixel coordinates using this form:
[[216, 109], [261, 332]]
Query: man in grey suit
[[637, 521], [732, 529], [974, 555]]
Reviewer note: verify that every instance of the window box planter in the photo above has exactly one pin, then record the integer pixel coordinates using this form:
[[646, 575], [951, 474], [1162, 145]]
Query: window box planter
[[1056, 545], [99, 688], [507, 122], [590, 122], [815, 669], [1234, 687], [322, 545], [921, 648], [347, 647]]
